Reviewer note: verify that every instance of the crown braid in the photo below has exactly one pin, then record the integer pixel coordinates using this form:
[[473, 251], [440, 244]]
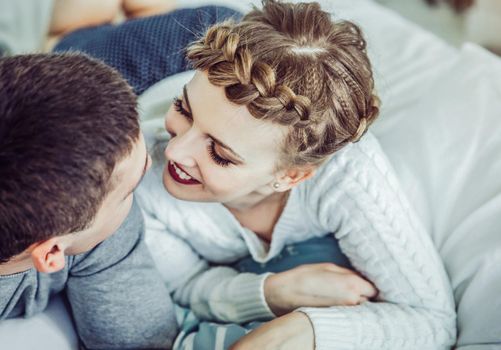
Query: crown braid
[[246, 81], [292, 65]]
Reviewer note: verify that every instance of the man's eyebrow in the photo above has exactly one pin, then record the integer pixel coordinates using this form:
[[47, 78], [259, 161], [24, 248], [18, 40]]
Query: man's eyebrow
[[219, 142], [141, 178]]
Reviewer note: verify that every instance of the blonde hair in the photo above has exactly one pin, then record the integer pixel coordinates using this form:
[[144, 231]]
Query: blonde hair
[[292, 65]]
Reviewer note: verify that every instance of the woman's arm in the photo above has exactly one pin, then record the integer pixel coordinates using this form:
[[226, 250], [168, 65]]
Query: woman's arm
[[384, 240], [359, 198], [213, 293], [225, 294]]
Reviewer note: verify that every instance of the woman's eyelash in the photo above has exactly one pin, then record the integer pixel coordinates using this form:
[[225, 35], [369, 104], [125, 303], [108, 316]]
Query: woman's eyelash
[[212, 151], [178, 105]]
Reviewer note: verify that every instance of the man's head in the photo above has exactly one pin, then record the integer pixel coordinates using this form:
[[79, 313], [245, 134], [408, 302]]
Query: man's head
[[71, 152]]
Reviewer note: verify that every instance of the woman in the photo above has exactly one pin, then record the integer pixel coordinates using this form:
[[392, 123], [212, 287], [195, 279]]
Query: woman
[[268, 147]]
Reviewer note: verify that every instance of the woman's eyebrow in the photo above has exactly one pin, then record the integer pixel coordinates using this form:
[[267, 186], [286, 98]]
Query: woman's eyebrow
[[219, 142]]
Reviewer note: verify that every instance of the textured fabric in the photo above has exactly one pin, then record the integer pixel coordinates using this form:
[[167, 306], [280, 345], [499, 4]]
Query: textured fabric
[[146, 50], [116, 295], [356, 196]]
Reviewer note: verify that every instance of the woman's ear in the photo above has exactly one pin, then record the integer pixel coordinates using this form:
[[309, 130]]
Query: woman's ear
[[293, 177], [48, 256]]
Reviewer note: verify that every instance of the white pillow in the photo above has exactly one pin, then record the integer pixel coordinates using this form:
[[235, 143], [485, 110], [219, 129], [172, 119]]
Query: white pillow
[[52, 329], [450, 142]]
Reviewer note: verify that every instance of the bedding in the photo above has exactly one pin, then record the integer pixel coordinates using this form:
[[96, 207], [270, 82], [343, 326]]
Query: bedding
[[23, 24], [439, 126]]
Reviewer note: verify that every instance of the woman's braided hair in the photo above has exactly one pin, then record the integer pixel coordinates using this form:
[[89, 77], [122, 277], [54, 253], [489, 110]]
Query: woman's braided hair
[[292, 65]]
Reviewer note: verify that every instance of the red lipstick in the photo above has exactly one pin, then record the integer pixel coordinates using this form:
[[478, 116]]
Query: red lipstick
[[171, 167]]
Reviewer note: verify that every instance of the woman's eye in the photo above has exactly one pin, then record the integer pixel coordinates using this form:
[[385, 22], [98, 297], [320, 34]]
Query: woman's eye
[[178, 106], [216, 157]]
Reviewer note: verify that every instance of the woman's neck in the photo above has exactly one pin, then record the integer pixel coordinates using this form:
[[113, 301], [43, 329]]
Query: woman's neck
[[261, 217], [254, 200]]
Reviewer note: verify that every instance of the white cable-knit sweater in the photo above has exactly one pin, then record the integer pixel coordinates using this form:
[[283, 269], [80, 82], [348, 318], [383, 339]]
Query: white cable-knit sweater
[[355, 195]]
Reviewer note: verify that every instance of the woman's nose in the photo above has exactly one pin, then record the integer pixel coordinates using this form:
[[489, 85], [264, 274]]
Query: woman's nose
[[182, 149]]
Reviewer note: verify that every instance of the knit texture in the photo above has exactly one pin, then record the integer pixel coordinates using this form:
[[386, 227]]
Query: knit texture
[[356, 196]]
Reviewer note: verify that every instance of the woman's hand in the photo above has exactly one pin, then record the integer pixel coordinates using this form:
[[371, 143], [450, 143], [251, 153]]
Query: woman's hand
[[315, 285], [292, 332]]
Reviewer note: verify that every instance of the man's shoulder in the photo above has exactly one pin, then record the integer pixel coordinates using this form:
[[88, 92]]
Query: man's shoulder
[[116, 247], [27, 293]]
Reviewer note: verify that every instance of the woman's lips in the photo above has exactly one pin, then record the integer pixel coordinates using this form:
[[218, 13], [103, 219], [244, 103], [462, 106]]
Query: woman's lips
[[179, 175]]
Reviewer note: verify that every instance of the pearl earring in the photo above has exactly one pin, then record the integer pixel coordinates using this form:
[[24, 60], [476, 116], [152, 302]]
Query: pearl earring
[[276, 185]]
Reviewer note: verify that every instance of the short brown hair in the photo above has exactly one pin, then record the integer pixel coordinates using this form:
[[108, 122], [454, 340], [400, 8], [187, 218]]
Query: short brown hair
[[66, 120], [292, 65]]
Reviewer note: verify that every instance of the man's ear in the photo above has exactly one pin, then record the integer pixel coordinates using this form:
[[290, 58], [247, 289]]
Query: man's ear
[[48, 256]]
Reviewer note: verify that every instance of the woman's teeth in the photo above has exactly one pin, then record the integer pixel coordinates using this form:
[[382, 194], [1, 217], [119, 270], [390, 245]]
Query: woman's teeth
[[181, 173]]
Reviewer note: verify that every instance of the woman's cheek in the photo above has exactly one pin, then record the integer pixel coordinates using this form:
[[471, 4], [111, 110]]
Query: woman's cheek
[[220, 181]]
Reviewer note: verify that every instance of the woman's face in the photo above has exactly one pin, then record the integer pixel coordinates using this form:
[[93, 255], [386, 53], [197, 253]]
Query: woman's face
[[218, 151]]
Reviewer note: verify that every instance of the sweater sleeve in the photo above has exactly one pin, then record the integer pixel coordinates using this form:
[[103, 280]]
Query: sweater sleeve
[[212, 293], [224, 294], [358, 197]]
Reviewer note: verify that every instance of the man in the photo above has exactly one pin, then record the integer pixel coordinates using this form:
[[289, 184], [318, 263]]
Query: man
[[71, 155]]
